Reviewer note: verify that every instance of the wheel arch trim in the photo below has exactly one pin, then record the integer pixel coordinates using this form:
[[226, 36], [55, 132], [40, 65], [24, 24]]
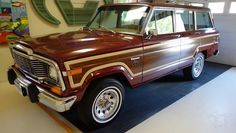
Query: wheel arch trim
[[93, 73]]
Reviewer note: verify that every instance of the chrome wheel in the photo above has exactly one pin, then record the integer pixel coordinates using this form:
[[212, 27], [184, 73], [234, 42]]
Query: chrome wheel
[[107, 104], [198, 65]]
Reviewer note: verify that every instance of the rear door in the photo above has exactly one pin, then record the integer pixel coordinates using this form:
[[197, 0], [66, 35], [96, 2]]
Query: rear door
[[196, 29], [189, 39], [205, 31], [161, 45]]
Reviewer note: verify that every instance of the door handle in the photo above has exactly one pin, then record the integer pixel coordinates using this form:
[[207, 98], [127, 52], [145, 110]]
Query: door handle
[[134, 58]]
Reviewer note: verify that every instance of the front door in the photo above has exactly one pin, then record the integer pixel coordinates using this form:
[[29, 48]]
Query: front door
[[161, 45]]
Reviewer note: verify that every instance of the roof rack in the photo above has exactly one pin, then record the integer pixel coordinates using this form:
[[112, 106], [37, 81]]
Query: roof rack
[[201, 4]]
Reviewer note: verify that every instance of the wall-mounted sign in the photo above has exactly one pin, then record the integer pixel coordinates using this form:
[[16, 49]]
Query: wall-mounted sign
[[72, 15], [107, 2], [42, 10], [77, 16]]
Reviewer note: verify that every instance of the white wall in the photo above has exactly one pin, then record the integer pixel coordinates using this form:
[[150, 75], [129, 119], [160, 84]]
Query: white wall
[[5, 62], [225, 23]]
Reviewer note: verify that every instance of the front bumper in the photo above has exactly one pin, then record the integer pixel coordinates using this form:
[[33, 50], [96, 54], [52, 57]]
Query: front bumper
[[38, 94]]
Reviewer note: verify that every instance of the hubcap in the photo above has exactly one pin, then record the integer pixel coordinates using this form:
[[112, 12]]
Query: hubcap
[[106, 104], [198, 66]]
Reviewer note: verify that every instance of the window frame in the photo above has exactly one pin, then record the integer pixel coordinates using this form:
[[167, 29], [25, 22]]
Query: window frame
[[154, 9], [142, 31]]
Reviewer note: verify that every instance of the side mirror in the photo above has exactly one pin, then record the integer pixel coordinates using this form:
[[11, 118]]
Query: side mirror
[[150, 33]]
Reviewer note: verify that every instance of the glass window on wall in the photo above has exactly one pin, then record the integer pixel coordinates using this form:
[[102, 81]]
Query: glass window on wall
[[232, 7], [216, 7], [197, 4], [184, 21], [203, 20]]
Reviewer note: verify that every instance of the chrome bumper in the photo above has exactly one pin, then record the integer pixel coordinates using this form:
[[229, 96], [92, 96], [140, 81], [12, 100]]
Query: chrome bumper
[[42, 96]]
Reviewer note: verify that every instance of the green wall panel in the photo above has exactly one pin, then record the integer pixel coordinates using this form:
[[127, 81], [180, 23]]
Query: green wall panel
[[107, 2], [77, 16], [40, 7]]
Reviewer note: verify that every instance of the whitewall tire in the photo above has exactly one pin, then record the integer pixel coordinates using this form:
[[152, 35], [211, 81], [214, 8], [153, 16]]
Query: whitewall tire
[[101, 103], [195, 71]]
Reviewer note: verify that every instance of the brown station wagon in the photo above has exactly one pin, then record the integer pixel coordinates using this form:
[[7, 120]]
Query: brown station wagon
[[124, 44]]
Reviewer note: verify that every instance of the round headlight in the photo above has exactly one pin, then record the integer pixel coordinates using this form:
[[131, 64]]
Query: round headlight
[[53, 72]]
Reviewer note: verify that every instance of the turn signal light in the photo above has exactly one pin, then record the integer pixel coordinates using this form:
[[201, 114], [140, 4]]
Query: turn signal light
[[56, 90], [16, 65], [74, 72]]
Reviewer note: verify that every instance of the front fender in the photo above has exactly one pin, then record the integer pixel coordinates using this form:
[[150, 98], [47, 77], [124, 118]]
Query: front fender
[[94, 74]]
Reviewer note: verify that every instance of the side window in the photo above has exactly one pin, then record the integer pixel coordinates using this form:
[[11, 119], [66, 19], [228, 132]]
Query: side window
[[161, 22], [164, 22], [203, 20], [184, 21]]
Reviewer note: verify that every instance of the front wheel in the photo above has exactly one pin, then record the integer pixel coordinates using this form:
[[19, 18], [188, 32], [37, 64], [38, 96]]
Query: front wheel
[[194, 71], [102, 103]]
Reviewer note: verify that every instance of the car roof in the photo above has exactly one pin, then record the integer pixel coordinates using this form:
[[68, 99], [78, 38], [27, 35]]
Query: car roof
[[163, 5]]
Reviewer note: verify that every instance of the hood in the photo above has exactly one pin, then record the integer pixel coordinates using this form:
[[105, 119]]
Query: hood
[[74, 45]]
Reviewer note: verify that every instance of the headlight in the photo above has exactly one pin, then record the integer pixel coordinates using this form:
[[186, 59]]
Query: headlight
[[53, 73]]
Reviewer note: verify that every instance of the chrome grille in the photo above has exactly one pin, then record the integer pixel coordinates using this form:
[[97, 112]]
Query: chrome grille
[[35, 67]]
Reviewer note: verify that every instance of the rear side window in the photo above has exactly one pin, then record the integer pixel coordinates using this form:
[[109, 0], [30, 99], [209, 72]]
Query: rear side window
[[184, 21], [203, 20]]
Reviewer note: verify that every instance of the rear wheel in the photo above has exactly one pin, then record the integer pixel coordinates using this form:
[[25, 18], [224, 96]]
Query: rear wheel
[[102, 103], [194, 71]]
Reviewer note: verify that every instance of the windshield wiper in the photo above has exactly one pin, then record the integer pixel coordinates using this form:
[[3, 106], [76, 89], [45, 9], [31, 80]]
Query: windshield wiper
[[107, 29]]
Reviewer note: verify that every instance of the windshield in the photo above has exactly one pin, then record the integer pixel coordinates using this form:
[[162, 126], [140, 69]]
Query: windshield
[[122, 18]]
